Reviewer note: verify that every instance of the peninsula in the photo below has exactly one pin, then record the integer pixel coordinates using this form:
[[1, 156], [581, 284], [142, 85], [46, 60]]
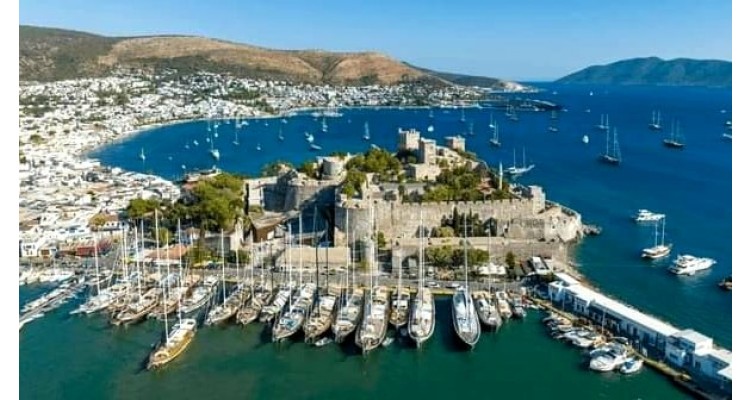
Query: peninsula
[[656, 71]]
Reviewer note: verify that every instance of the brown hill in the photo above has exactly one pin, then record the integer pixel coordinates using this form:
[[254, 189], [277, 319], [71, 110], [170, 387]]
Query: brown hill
[[48, 54], [52, 54]]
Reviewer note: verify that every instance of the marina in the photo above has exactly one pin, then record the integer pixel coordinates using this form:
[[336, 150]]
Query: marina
[[443, 320]]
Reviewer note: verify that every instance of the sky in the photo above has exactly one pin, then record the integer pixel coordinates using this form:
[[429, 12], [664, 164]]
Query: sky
[[527, 40]]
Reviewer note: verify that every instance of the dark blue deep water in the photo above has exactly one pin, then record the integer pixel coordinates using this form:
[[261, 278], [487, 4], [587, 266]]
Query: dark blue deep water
[[692, 186], [65, 357]]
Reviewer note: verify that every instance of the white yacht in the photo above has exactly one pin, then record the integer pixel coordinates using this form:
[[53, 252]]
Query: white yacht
[[686, 264], [647, 216], [608, 360], [631, 366]]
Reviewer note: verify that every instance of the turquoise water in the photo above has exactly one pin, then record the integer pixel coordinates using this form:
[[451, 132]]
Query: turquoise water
[[80, 357], [61, 355], [691, 186]]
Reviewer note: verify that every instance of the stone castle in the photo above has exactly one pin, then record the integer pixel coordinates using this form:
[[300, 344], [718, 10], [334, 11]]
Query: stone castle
[[527, 216]]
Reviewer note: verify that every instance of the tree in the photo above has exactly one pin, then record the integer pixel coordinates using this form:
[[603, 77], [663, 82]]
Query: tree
[[122, 99], [510, 259], [141, 208], [241, 256], [309, 168], [274, 168], [443, 231], [381, 240], [36, 139], [439, 256], [163, 235], [97, 221]]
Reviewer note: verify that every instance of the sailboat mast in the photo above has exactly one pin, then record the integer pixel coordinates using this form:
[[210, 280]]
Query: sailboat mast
[[179, 255], [421, 255], [346, 269], [251, 261], [96, 260], [141, 270], [158, 258], [223, 272], [663, 229], [163, 281], [126, 276], [168, 261], [466, 258], [299, 249]]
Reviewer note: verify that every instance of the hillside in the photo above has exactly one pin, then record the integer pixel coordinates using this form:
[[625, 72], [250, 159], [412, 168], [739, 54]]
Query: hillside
[[53, 54], [466, 80], [655, 71], [48, 54]]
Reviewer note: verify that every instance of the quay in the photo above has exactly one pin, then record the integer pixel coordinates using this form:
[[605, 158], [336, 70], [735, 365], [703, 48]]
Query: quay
[[690, 359]]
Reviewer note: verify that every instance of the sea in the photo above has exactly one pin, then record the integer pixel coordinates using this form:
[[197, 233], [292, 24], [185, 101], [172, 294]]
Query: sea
[[64, 356]]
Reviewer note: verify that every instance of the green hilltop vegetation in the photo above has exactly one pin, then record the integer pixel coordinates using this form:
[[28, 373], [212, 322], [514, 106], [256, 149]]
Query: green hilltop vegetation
[[49, 54], [656, 71]]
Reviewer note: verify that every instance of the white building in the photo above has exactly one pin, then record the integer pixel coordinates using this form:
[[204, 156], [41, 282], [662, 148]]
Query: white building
[[651, 333], [686, 350], [694, 352]]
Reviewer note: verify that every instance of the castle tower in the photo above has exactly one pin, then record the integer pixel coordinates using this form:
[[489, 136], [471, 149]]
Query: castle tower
[[408, 139]]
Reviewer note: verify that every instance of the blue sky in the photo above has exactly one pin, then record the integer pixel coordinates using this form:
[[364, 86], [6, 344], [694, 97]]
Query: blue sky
[[521, 40]]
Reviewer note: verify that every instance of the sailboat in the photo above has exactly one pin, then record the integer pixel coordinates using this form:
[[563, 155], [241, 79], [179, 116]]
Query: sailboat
[[655, 124], [260, 294], [292, 319], [350, 310], [471, 128], [612, 158], [311, 141], [553, 122], [495, 140], [675, 139], [399, 304], [465, 319], [371, 332], [658, 250], [422, 316], [236, 140], [177, 339], [102, 299], [142, 156], [366, 136], [487, 310], [230, 304], [270, 312], [214, 152], [604, 123], [324, 126], [143, 303], [516, 171], [281, 135], [492, 121], [463, 116]]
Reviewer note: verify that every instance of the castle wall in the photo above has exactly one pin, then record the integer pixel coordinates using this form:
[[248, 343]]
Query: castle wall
[[528, 218]]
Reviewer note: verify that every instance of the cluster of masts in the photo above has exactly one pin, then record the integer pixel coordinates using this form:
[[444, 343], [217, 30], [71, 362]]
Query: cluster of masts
[[323, 314]]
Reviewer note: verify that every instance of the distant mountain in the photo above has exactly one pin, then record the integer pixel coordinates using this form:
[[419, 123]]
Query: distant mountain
[[655, 71], [468, 80]]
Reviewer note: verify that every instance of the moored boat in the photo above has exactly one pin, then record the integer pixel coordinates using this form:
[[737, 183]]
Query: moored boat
[[174, 344], [320, 318]]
